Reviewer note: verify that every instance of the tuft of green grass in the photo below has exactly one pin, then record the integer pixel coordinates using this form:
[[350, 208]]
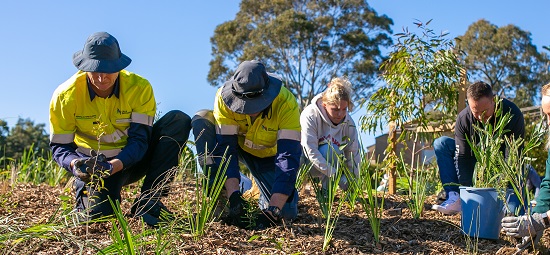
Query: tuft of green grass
[[418, 183], [366, 194]]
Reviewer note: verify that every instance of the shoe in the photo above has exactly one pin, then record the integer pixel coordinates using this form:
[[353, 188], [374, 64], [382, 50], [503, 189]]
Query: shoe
[[152, 212], [451, 206], [383, 183], [441, 197]]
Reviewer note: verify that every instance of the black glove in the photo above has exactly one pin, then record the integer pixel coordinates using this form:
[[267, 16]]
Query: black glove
[[98, 166], [264, 220], [79, 170], [237, 211]]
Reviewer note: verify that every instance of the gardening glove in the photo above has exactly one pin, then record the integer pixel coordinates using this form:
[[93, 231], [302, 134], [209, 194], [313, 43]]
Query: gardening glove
[[79, 170], [99, 166], [264, 220], [85, 168], [528, 242], [237, 210], [525, 225]]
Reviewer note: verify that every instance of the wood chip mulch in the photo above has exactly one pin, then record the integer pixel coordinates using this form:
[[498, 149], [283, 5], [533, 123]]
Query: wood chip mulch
[[25, 205]]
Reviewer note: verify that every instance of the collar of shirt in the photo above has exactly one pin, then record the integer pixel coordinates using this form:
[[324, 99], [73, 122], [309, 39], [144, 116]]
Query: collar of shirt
[[116, 90]]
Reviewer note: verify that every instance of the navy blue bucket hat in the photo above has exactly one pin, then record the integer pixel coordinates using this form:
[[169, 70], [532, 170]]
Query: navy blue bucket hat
[[251, 89], [101, 54]]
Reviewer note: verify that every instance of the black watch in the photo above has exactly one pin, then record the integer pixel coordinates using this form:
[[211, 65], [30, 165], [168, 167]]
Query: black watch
[[545, 219], [275, 211]]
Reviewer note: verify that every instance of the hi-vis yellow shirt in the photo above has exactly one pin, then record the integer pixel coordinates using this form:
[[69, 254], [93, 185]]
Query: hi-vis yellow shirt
[[260, 138], [102, 123]]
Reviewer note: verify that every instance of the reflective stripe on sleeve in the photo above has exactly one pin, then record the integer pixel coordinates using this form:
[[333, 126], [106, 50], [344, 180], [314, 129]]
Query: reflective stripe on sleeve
[[62, 138], [141, 118], [288, 134], [107, 153], [227, 129]]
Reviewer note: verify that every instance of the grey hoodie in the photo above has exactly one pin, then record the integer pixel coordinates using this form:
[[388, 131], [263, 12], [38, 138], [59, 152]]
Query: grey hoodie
[[317, 129]]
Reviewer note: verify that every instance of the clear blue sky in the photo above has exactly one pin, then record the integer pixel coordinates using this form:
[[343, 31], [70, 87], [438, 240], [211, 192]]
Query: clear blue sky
[[169, 42]]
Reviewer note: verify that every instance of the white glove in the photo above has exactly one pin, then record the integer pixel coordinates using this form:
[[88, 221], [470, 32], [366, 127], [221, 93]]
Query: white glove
[[525, 225]]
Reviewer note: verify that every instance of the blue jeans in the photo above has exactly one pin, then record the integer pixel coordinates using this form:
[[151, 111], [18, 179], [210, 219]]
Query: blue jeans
[[444, 148], [262, 169], [170, 133], [331, 154]]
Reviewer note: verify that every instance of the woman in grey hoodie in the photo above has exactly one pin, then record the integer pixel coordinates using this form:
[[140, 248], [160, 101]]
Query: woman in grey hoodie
[[328, 129]]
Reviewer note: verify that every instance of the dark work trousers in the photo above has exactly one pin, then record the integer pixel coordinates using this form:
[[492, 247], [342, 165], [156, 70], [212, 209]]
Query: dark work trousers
[[263, 169], [168, 139]]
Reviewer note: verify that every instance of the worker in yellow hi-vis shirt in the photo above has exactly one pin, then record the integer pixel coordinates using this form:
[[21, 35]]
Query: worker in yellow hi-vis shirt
[[102, 131], [258, 121]]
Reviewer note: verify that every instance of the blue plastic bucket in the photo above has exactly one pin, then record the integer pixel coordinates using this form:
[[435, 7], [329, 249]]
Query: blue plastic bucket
[[513, 205], [482, 212]]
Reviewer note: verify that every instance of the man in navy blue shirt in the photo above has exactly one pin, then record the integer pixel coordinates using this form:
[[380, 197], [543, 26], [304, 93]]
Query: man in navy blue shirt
[[455, 158]]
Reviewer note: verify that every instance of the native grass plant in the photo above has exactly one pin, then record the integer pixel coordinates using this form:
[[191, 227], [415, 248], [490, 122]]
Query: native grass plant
[[333, 212], [200, 208], [486, 144], [303, 174], [371, 201], [329, 205], [419, 182], [515, 167], [126, 242], [32, 167], [14, 234], [471, 242], [326, 190], [208, 186], [188, 162]]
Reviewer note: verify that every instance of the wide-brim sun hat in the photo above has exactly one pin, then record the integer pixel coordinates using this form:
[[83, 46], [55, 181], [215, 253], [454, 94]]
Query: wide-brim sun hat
[[101, 54], [251, 89]]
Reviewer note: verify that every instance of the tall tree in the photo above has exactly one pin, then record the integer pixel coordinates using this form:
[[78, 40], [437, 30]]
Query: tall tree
[[24, 135], [305, 42], [422, 76], [506, 59]]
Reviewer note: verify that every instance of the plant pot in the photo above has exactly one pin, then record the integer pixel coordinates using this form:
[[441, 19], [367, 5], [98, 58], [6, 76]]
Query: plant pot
[[482, 212], [513, 205]]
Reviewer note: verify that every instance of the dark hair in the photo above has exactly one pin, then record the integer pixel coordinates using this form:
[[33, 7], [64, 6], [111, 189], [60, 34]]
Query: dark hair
[[478, 90]]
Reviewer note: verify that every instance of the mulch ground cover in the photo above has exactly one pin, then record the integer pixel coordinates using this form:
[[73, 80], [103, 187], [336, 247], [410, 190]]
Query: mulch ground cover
[[26, 205]]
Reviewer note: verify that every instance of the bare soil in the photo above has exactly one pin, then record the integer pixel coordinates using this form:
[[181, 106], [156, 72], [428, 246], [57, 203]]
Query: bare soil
[[26, 205]]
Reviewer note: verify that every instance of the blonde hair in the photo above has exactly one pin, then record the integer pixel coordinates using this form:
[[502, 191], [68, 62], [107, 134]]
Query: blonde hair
[[338, 89]]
